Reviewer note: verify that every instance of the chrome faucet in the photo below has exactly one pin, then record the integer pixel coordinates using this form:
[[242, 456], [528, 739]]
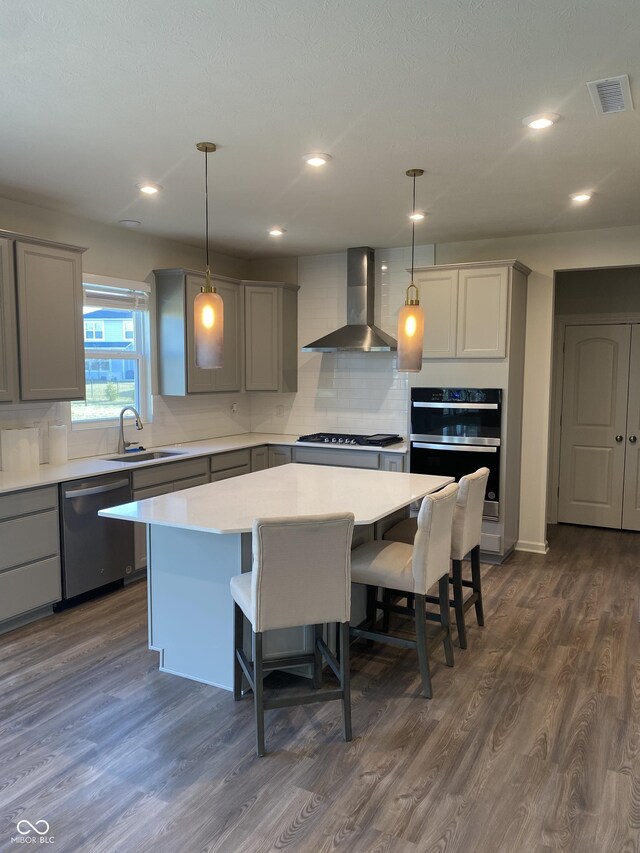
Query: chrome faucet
[[122, 444]]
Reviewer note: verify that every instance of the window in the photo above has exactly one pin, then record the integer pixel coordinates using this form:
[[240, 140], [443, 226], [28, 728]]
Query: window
[[93, 330], [116, 335]]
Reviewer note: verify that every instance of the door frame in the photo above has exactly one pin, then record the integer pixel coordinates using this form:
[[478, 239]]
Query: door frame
[[561, 321]]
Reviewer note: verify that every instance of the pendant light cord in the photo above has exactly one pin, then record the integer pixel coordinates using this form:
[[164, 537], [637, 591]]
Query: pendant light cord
[[206, 205], [413, 227]]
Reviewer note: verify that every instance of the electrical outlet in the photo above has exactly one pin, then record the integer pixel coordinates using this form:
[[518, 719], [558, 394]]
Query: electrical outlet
[[234, 408], [279, 411]]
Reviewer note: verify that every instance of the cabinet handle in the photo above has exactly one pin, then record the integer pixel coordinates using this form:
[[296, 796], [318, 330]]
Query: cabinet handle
[[619, 438], [633, 439]]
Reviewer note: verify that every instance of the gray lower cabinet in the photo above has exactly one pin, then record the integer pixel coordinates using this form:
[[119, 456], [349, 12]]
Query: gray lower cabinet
[[176, 290], [41, 297], [271, 336], [231, 464], [30, 554], [159, 480], [279, 455], [349, 458], [259, 458]]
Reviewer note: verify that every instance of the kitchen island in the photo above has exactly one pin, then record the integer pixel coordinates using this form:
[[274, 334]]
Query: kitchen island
[[199, 538]]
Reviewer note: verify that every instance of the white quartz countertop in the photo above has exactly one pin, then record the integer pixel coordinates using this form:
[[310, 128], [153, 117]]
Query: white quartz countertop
[[230, 506], [76, 469]]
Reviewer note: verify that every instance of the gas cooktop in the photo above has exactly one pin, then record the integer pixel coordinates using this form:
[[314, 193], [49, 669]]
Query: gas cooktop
[[377, 440]]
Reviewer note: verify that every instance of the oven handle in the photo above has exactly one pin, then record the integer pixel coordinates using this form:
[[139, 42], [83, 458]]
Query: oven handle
[[460, 448], [454, 405]]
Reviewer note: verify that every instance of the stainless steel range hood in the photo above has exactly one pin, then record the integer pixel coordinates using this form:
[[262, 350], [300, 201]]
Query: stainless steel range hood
[[360, 334]]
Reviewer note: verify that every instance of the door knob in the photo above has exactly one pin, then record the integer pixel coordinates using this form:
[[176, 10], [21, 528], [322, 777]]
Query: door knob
[[633, 439], [619, 438]]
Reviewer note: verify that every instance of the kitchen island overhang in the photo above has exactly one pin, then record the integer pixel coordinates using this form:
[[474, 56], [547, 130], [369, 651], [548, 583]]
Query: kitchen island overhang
[[199, 538]]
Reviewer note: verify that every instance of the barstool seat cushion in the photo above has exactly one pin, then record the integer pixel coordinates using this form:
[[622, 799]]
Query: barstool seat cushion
[[403, 531], [241, 593], [386, 564]]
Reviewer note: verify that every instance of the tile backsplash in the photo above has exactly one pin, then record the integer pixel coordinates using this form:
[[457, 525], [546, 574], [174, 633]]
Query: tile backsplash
[[339, 392], [343, 392]]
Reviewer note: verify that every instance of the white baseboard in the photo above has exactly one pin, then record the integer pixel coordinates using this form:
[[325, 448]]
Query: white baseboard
[[532, 547]]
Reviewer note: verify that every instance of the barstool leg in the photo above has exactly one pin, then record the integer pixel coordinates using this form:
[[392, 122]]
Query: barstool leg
[[458, 598], [317, 657], [477, 583], [421, 642], [345, 679], [445, 618], [386, 598], [258, 698], [238, 624]]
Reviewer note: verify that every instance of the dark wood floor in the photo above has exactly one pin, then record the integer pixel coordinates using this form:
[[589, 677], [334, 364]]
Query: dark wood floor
[[531, 743]]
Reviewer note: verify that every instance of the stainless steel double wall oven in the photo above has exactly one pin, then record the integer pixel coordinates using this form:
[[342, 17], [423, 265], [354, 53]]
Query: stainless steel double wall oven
[[455, 431]]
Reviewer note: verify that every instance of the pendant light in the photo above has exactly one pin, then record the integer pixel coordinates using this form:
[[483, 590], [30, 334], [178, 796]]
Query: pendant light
[[411, 316], [207, 307]]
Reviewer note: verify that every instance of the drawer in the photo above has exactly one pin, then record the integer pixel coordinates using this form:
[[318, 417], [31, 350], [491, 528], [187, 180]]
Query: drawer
[[152, 492], [168, 472], [344, 458], [200, 480], [216, 476], [29, 538], [34, 500], [28, 587], [491, 542], [235, 459]]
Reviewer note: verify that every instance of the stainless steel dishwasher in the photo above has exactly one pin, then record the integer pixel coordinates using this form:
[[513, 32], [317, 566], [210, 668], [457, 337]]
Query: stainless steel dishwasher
[[96, 551]]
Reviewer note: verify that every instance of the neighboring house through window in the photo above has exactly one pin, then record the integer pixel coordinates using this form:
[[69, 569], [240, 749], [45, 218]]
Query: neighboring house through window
[[116, 340]]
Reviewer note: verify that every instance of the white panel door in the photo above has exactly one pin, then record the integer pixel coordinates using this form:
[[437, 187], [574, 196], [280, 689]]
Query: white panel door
[[594, 416], [631, 501]]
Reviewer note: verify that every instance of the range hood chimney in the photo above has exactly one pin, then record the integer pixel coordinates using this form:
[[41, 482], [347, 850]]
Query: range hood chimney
[[360, 334]]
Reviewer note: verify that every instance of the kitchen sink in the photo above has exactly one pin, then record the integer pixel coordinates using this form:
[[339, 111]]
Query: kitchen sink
[[144, 456]]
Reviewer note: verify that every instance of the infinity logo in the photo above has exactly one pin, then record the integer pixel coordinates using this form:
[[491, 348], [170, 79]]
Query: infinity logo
[[30, 827]]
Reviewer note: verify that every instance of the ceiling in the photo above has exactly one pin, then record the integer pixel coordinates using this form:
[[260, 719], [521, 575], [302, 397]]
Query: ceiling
[[97, 97]]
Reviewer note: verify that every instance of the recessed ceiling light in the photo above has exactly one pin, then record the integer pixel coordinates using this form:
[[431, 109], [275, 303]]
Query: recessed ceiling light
[[276, 232], [416, 216], [149, 188], [315, 158], [540, 120], [384, 267], [580, 197], [129, 223]]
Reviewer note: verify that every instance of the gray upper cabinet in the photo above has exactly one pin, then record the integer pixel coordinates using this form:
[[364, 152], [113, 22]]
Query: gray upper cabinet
[[271, 336], [41, 296], [8, 373], [49, 296], [176, 290]]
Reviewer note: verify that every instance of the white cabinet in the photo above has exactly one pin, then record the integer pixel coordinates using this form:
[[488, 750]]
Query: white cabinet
[[178, 376], [467, 308]]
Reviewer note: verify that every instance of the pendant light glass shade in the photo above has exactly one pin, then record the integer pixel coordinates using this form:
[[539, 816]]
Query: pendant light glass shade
[[208, 315], [208, 308], [411, 316], [410, 334]]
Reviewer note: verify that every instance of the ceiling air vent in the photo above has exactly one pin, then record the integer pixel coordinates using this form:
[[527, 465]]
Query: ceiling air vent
[[611, 95]]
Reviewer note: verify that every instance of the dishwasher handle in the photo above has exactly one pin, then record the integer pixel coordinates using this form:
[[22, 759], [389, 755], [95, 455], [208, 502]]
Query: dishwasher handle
[[95, 490]]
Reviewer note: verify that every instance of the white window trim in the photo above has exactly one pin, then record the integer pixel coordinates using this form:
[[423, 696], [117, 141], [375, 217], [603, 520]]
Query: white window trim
[[142, 335]]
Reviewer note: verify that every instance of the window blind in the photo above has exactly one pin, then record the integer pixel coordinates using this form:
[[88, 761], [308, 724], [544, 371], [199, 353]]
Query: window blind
[[119, 294]]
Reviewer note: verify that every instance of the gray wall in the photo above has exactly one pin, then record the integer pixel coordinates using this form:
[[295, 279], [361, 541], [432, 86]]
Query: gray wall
[[601, 291]]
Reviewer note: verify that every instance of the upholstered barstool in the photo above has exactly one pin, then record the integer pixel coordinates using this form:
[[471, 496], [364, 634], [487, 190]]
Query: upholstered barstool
[[411, 569], [465, 541], [301, 575]]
